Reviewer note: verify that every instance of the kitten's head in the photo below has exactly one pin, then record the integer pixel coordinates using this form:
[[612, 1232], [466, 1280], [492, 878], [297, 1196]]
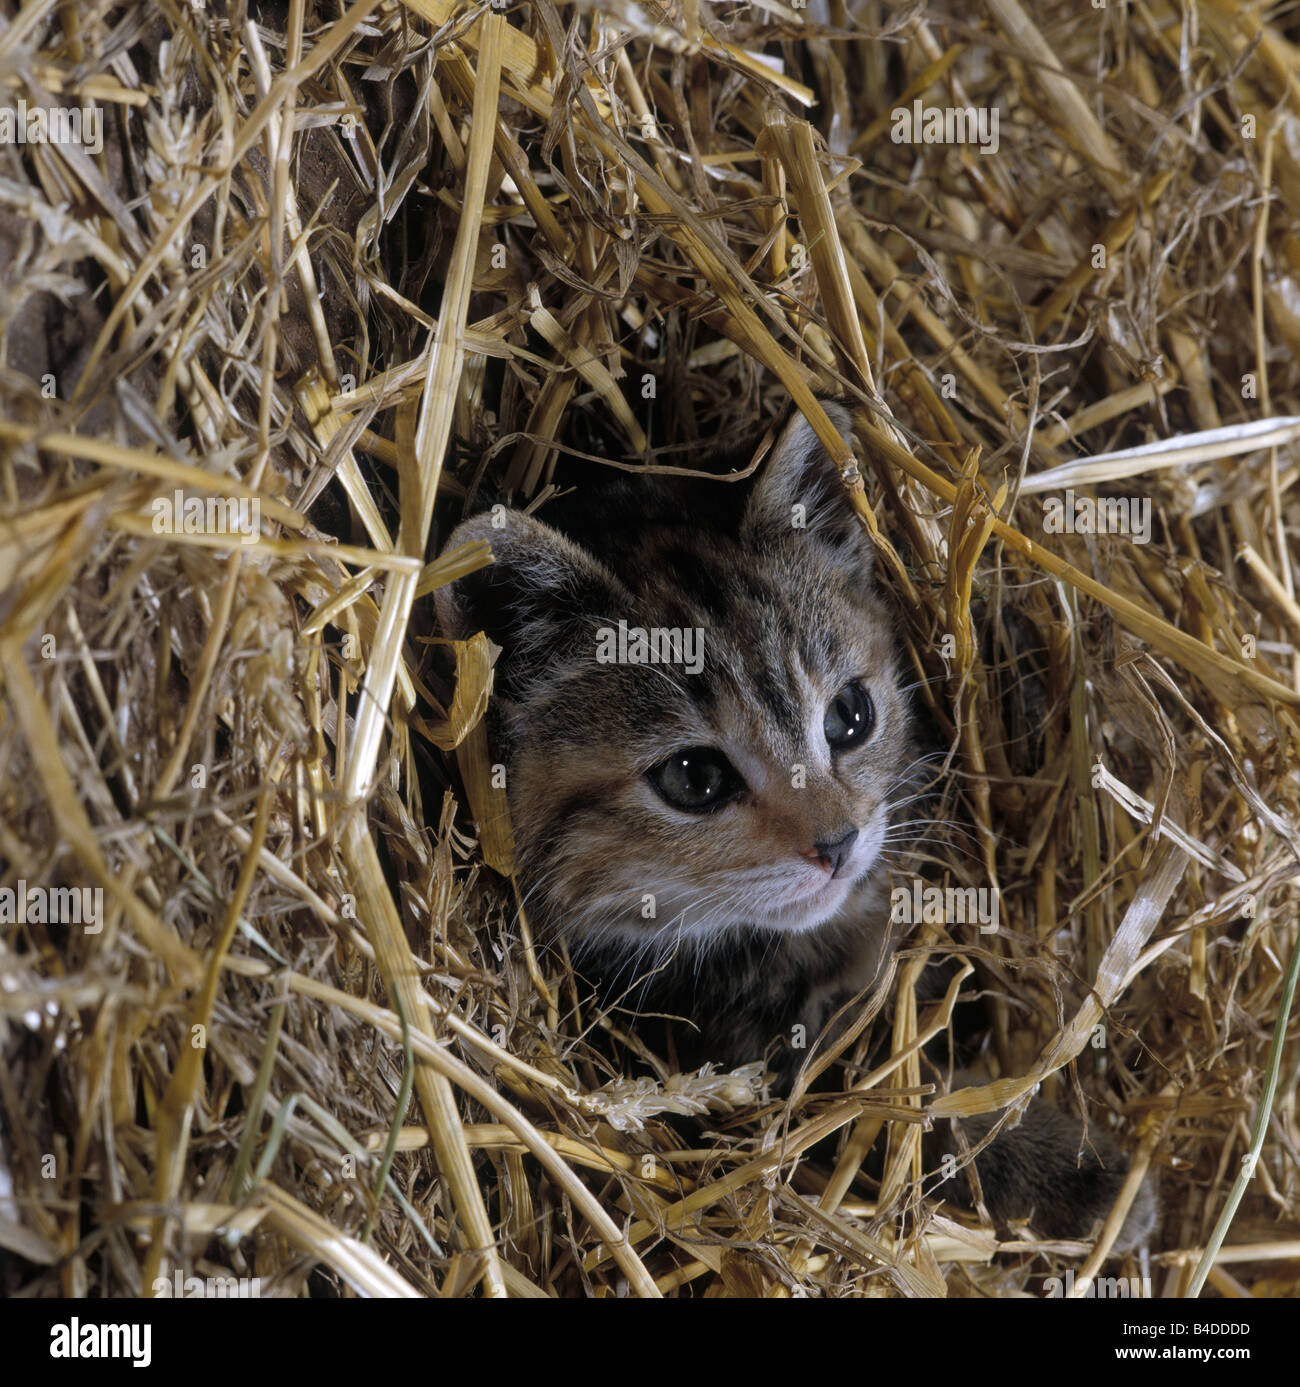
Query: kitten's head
[[741, 780]]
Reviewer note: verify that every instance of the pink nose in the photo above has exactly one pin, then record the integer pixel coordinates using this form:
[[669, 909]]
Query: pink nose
[[831, 855]]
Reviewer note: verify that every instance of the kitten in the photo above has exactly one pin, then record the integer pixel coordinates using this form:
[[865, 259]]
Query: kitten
[[701, 707]]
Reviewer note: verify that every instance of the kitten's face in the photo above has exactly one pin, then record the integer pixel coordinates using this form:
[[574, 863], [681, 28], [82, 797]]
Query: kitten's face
[[745, 784]]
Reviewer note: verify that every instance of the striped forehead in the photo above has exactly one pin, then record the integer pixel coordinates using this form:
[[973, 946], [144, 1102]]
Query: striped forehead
[[769, 637], [763, 686]]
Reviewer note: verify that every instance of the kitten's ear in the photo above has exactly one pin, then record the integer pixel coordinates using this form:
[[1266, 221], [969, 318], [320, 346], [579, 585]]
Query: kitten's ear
[[543, 593], [799, 493]]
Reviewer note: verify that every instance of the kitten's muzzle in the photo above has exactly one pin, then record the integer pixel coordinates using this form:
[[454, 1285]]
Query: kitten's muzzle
[[831, 855]]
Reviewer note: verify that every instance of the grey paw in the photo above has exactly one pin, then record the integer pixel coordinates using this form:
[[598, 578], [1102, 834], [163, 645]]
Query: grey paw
[[1036, 1171]]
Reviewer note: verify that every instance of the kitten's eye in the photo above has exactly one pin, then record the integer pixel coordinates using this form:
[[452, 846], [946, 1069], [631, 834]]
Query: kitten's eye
[[850, 719], [696, 779]]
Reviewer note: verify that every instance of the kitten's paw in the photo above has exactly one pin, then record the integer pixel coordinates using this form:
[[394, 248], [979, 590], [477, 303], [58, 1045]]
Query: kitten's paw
[[1043, 1171]]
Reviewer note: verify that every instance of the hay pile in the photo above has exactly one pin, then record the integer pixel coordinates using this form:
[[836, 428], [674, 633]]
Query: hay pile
[[320, 245]]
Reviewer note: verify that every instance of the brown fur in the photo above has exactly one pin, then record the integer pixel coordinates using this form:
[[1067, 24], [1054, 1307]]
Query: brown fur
[[730, 918]]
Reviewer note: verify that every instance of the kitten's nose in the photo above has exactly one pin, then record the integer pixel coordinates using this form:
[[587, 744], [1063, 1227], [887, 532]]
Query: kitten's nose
[[833, 854]]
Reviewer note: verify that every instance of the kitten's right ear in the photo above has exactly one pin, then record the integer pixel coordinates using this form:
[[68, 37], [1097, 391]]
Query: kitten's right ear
[[543, 592]]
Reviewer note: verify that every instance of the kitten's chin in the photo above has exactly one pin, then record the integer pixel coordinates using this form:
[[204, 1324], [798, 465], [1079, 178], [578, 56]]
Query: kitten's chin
[[809, 914]]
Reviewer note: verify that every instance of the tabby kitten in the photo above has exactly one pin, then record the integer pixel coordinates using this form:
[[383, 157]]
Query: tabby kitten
[[701, 708]]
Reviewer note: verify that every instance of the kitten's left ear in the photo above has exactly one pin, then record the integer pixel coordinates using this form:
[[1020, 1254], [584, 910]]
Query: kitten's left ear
[[799, 494]]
